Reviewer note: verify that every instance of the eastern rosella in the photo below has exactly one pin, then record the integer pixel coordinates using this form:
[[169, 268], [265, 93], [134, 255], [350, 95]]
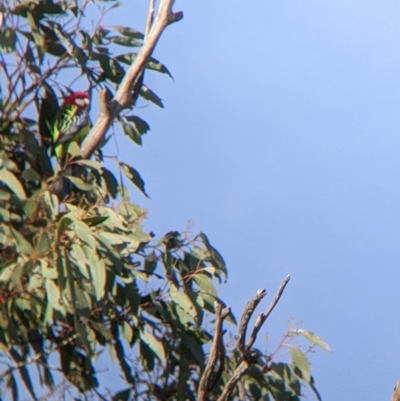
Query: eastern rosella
[[71, 124]]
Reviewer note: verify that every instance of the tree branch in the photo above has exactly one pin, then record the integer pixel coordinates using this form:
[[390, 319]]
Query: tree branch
[[244, 320], [124, 96], [246, 360], [264, 316], [215, 346], [237, 374]]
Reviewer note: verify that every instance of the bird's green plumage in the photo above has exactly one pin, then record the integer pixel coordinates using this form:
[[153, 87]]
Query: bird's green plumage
[[71, 125]]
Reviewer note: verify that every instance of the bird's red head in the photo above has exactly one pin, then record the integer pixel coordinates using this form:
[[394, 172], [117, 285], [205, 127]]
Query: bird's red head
[[79, 98]]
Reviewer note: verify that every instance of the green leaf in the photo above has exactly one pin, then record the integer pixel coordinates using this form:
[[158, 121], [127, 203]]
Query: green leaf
[[140, 124], [95, 221], [214, 257], [152, 63], [53, 298], [153, 343], [119, 350], [9, 179], [8, 39], [98, 274], [63, 225], [127, 331], [92, 164], [125, 41], [133, 176], [23, 246], [300, 362], [73, 149], [111, 182], [149, 95], [43, 242], [85, 234], [111, 68], [79, 183], [131, 132], [183, 305], [314, 339], [194, 346], [155, 65], [205, 284], [129, 32]]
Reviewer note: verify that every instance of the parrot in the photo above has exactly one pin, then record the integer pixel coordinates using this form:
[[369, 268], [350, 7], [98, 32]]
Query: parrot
[[71, 123]]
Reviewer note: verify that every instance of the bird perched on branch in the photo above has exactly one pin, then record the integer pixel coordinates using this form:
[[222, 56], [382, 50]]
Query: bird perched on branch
[[71, 124]]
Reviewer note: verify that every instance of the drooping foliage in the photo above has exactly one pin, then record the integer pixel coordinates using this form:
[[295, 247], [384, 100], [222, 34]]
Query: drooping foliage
[[78, 273]]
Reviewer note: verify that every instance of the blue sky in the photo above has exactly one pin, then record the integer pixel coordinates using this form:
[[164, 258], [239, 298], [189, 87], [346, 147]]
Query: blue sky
[[280, 139]]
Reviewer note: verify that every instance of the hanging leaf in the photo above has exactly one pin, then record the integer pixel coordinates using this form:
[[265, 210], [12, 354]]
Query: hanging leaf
[[151, 64], [140, 124], [131, 132], [154, 344], [133, 176], [149, 95]]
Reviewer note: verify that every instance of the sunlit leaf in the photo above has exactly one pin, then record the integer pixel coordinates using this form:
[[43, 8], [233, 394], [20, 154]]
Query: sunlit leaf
[[9, 179], [313, 338], [154, 344], [301, 363]]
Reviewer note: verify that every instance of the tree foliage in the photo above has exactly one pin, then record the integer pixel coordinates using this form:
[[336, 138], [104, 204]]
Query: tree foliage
[[78, 273]]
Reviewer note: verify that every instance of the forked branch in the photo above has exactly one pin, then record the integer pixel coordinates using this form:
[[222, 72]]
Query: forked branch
[[244, 348], [128, 89]]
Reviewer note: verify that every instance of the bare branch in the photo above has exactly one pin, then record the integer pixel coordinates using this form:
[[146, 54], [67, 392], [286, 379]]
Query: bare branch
[[244, 320], [246, 360], [215, 346], [264, 316], [237, 374], [221, 366], [125, 95]]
